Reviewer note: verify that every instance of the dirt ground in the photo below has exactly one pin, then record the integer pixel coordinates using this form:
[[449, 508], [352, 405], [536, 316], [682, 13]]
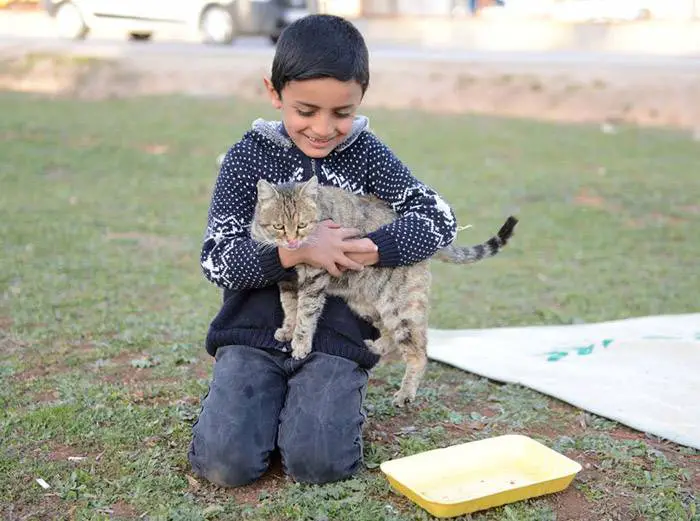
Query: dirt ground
[[641, 94]]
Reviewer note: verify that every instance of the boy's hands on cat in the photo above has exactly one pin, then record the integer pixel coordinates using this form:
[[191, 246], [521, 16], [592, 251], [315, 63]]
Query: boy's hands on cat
[[366, 259], [333, 249]]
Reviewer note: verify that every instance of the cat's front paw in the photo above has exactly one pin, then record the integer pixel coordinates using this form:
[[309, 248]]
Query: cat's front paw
[[283, 334], [380, 346], [403, 397], [372, 346], [301, 347]]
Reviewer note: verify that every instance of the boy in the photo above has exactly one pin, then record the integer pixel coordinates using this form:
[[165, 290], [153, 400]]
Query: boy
[[260, 399]]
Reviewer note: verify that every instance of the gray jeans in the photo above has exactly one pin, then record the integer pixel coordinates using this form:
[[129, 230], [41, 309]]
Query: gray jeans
[[259, 401]]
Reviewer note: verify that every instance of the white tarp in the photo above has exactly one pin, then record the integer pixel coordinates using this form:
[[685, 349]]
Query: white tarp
[[642, 372]]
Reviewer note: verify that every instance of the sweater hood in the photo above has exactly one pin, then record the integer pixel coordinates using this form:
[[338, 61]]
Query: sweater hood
[[274, 132]]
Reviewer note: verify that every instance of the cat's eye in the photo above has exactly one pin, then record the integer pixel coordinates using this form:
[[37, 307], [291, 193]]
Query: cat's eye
[[302, 225], [278, 226]]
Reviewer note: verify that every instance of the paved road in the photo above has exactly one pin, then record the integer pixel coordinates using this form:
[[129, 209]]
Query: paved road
[[20, 32], [107, 47]]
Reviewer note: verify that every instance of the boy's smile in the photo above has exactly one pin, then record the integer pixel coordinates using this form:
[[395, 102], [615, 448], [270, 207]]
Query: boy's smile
[[317, 113]]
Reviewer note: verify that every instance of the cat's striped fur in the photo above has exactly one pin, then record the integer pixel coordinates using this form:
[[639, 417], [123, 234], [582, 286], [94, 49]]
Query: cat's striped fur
[[394, 299]]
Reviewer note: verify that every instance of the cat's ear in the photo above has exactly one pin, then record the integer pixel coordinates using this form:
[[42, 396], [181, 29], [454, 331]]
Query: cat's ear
[[310, 188], [266, 190]]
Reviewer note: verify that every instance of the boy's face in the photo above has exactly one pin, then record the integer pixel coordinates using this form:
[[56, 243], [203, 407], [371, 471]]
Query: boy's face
[[317, 113]]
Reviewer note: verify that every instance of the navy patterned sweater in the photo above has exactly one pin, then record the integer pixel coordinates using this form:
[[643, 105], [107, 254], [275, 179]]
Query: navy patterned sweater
[[251, 309]]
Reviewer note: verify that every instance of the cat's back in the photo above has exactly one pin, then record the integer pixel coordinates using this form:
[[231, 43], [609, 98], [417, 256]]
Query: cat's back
[[365, 212]]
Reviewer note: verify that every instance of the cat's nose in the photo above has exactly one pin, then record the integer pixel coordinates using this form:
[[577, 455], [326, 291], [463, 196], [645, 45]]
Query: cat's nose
[[293, 243]]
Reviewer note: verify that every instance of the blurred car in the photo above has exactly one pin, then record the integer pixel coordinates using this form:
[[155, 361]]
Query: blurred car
[[214, 21]]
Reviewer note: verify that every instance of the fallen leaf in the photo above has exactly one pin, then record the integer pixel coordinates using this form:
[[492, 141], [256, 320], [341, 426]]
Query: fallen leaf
[[193, 482], [76, 458]]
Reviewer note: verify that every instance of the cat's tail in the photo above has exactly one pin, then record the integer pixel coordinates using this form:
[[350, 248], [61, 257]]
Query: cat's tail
[[469, 254]]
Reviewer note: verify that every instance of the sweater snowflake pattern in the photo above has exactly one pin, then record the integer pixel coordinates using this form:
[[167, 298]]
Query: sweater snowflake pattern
[[361, 164]]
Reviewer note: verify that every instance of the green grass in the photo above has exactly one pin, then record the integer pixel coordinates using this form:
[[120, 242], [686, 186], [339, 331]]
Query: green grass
[[103, 307]]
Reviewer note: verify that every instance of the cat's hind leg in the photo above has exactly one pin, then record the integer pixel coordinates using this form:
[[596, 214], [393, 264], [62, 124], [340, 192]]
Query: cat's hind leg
[[405, 317], [412, 342], [289, 301]]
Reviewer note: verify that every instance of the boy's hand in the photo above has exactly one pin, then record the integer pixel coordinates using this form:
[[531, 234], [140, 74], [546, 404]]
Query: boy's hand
[[330, 249], [366, 259]]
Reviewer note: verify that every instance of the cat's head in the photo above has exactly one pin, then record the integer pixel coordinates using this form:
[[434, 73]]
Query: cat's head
[[285, 215]]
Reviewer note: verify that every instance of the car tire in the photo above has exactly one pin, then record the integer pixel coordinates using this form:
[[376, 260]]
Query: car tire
[[217, 25], [70, 22], [140, 37]]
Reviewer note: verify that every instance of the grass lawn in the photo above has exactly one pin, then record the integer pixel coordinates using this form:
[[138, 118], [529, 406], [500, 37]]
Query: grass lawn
[[103, 308]]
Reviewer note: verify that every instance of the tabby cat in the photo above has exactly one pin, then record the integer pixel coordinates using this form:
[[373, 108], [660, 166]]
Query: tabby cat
[[395, 299]]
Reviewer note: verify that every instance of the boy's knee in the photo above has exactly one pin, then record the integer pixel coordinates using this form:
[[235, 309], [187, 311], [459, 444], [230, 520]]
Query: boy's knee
[[234, 434], [323, 443], [312, 469], [226, 475], [226, 466]]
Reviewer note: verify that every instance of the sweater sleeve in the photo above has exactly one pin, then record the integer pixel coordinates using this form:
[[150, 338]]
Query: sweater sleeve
[[426, 222], [229, 257]]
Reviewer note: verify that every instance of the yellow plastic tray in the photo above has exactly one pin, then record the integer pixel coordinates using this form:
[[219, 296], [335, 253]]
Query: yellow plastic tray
[[481, 474]]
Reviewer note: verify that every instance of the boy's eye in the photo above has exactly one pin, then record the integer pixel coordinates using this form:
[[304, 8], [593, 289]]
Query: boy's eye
[[302, 225], [278, 226], [309, 113]]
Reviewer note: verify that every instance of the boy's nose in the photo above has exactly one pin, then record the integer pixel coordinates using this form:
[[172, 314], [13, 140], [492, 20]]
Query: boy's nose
[[323, 127]]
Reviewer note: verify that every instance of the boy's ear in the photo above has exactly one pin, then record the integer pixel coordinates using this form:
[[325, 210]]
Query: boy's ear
[[266, 190], [272, 93], [310, 187]]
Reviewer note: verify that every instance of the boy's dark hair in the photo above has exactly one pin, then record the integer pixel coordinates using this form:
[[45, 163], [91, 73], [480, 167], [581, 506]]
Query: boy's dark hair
[[320, 46]]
